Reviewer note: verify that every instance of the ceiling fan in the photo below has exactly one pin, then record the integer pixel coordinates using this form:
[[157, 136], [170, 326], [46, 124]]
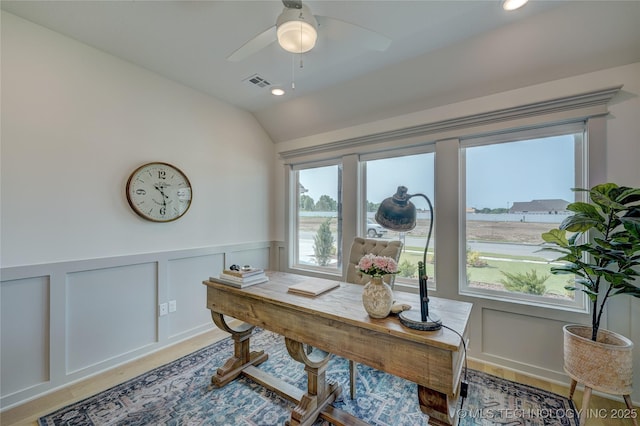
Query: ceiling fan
[[296, 30]]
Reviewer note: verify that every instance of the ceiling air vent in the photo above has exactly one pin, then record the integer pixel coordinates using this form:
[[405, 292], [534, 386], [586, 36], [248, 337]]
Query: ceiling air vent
[[257, 81]]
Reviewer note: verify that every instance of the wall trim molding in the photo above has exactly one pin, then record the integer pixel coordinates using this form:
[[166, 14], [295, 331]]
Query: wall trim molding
[[60, 290], [582, 104], [26, 271]]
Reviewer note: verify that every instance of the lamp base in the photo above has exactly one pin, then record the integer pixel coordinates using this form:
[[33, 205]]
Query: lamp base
[[413, 319]]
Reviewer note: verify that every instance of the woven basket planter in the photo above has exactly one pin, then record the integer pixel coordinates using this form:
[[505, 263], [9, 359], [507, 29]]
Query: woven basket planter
[[605, 365]]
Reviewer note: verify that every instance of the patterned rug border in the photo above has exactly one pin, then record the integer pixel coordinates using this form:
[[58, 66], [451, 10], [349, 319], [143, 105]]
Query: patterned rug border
[[488, 415]]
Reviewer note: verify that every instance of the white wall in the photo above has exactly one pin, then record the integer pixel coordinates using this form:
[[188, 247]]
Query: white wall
[[82, 275], [511, 335], [76, 122]]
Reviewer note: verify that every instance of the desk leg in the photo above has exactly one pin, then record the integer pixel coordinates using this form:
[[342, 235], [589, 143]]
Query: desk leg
[[440, 407], [320, 391], [242, 356]]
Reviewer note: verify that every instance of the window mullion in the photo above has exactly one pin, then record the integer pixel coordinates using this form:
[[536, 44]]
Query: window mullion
[[446, 203]]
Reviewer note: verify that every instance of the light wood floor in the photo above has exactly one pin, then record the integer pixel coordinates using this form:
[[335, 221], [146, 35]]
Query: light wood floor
[[28, 413]]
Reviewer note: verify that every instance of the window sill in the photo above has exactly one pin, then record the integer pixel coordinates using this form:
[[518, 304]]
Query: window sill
[[522, 299]]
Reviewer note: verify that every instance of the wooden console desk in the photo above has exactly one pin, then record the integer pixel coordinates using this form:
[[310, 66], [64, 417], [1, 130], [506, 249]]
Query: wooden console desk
[[335, 322]]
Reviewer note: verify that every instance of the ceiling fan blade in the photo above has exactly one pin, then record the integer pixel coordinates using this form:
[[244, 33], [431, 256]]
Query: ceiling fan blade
[[257, 43], [346, 31]]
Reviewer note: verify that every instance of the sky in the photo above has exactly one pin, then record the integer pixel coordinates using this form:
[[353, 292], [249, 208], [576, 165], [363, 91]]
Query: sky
[[497, 175]]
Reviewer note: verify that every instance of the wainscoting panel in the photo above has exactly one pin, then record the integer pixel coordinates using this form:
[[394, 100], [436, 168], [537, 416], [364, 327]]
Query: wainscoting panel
[[532, 341], [65, 321], [24, 317], [186, 288], [110, 312], [185, 276]]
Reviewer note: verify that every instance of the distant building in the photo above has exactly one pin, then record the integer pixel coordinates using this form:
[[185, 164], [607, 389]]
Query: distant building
[[540, 206]]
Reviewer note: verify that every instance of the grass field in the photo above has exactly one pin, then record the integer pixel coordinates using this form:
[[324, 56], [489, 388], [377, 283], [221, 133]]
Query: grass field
[[489, 275], [514, 232]]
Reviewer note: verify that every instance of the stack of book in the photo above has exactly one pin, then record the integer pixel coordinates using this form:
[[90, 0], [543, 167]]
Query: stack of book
[[243, 278]]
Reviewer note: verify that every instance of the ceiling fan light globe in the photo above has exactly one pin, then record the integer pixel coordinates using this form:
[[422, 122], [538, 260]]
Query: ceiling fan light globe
[[297, 36], [509, 5], [297, 29]]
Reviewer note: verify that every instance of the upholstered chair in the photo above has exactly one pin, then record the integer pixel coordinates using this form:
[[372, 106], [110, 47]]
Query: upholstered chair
[[359, 248]]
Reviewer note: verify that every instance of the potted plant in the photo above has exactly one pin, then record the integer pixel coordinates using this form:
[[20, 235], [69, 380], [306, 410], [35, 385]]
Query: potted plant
[[605, 263]]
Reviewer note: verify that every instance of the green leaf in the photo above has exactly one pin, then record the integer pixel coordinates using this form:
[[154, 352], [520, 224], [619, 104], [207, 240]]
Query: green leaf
[[628, 195], [566, 269], [593, 297], [605, 195], [573, 239], [580, 207], [580, 190], [556, 236], [603, 243], [632, 225], [586, 283], [602, 246], [628, 289], [634, 211], [580, 222], [555, 250], [604, 189]]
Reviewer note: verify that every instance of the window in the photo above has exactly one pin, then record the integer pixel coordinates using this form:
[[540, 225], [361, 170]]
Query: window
[[382, 177], [517, 187], [318, 221], [498, 180]]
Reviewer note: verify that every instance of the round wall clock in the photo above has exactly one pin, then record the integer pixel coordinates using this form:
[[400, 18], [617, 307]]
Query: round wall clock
[[159, 192]]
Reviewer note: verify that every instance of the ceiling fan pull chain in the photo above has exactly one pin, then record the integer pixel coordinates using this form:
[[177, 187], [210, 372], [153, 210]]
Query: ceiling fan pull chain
[[301, 66], [293, 72]]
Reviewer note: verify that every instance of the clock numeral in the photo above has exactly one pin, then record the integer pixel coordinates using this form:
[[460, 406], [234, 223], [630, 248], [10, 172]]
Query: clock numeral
[[162, 174], [141, 191], [163, 211]]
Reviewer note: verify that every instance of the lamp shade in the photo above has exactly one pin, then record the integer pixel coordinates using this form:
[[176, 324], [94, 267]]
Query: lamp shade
[[397, 213], [297, 30]]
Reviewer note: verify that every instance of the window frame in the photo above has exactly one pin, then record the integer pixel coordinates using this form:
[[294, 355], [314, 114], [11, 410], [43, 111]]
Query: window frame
[[580, 302], [293, 198], [428, 147], [591, 106]]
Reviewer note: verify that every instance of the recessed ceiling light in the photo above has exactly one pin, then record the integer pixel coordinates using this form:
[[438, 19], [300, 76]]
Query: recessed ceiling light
[[513, 4], [277, 91]]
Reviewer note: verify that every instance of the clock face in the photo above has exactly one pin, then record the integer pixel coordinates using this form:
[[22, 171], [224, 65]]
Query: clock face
[[159, 192]]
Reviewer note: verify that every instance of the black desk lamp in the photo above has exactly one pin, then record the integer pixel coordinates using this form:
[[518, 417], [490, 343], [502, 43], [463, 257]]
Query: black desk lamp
[[399, 214]]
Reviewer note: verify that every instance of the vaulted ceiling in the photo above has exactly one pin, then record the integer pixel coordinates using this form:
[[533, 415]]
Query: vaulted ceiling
[[440, 52]]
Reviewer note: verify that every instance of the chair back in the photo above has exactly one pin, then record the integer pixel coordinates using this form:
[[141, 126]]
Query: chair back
[[362, 246]]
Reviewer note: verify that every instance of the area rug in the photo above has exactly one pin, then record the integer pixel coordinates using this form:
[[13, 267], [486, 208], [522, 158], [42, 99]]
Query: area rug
[[180, 393]]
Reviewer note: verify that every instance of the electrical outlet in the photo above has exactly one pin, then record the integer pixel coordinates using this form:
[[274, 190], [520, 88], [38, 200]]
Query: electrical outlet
[[172, 306], [164, 309]]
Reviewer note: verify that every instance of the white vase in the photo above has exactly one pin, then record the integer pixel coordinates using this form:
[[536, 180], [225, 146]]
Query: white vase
[[377, 298]]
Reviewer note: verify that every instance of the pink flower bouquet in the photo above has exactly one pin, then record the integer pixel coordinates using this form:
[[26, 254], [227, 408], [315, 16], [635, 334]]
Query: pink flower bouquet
[[377, 265]]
